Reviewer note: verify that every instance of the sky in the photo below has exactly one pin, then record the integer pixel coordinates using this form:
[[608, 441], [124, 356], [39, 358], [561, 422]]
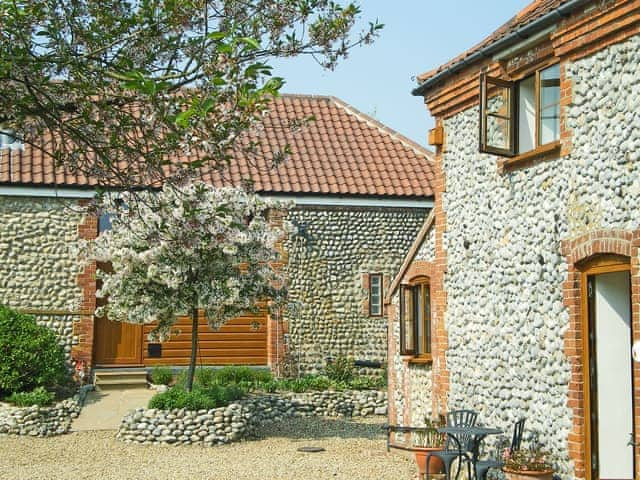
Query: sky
[[418, 35]]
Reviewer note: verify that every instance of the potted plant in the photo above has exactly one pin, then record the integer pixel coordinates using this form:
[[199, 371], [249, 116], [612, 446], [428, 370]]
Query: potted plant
[[528, 463], [424, 441]]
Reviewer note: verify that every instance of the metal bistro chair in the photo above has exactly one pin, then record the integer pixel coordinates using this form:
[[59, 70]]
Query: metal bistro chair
[[483, 466], [458, 447]]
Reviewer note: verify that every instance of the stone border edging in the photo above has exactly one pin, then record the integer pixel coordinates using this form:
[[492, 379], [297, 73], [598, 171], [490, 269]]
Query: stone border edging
[[240, 420], [38, 421]]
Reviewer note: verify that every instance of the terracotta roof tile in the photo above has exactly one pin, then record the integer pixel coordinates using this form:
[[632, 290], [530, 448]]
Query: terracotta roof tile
[[342, 152]]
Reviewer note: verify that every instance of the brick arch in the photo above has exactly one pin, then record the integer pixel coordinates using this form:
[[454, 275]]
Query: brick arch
[[578, 252], [600, 242], [417, 269]]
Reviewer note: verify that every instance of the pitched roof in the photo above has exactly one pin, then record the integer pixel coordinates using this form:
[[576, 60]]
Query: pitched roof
[[341, 152], [534, 11]]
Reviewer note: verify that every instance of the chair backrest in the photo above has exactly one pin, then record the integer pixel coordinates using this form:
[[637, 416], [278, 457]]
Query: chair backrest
[[516, 440], [461, 418]]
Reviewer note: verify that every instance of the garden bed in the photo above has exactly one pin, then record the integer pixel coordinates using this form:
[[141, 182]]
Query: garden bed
[[239, 420], [38, 421]]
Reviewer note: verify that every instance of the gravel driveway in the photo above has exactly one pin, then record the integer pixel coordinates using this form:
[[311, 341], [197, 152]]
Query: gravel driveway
[[354, 450]]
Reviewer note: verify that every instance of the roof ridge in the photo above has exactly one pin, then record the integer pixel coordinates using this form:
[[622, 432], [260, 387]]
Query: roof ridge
[[369, 120], [312, 96]]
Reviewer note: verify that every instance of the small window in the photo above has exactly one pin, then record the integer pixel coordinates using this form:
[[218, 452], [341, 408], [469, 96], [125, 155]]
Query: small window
[[415, 320], [375, 294], [518, 117]]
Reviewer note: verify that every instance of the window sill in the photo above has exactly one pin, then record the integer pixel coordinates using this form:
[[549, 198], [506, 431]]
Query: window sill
[[545, 152], [421, 360]]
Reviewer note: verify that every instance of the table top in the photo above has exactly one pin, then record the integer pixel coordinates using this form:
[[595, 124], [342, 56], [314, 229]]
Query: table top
[[475, 430]]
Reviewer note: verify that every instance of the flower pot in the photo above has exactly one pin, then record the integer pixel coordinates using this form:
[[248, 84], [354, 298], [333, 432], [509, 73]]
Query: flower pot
[[528, 474], [435, 464]]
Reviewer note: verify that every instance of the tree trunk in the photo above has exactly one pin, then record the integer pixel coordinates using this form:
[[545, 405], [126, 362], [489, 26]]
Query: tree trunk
[[194, 349]]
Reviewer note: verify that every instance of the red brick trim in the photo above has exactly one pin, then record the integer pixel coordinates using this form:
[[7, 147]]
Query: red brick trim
[[276, 347], [440, 342], [578, 251], [392, 374], [616, 242], [86, 280]]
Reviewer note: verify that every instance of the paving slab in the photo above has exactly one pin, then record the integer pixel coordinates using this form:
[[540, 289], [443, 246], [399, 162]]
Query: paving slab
[[104, 409]]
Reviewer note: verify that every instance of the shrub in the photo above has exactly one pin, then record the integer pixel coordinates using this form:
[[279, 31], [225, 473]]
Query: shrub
[[203, 377], [38, 396], [245, 377], [31, 355], [161, 375], [198, 399], [367, 383], [341, 369]]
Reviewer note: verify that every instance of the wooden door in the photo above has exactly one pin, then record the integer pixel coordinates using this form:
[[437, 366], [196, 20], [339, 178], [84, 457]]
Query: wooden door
[[117, 343], [241, 341]]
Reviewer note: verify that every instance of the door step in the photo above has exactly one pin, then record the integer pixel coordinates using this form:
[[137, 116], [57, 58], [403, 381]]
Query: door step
[[120, 378]]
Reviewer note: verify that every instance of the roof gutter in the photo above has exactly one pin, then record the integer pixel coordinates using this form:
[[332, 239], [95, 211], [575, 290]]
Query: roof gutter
[[488, 51]]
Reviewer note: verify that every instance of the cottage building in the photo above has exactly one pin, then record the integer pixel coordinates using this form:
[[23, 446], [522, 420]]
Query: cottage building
[[521, 295], [361, 192]]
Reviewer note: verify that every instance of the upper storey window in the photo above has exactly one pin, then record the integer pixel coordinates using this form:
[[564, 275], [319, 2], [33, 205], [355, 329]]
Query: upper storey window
[[519, 117]]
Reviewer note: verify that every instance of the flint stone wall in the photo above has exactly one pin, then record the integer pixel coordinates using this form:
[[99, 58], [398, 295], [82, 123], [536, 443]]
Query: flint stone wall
[[427, 249], [505, 316], [240, 420], [38, 421], [328, 257], [38, 267]]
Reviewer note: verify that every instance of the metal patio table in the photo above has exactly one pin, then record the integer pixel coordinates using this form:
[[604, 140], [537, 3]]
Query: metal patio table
[[476, 434]]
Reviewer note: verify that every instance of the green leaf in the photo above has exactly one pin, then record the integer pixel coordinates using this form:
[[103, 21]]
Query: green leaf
[[217, 35], [182, 119], [250, 42], [224, 48]]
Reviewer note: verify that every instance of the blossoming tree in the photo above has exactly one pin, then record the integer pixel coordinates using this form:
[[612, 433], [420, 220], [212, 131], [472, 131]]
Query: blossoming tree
[[189, 248], [115, 89]]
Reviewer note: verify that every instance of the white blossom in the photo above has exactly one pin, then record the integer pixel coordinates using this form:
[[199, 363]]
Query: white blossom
[[185, 247]]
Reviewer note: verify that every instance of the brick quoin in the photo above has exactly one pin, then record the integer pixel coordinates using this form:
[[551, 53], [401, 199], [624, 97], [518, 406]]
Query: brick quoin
[[86, 280], [440, 343], [577, 251]]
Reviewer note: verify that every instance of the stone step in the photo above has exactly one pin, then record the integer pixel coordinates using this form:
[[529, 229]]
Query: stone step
[[124, 378]]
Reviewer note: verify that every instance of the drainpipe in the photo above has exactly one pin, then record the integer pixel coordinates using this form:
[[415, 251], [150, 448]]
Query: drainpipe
[[487, 51]]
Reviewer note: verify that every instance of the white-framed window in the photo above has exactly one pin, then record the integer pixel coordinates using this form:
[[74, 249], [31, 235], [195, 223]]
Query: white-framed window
[[375, 294], [521, 116]]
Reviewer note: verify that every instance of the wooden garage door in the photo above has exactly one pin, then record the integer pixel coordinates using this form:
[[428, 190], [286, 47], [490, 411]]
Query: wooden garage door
[[241, 341]]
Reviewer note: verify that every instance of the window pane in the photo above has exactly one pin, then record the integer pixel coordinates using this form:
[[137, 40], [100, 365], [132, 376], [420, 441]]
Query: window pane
[[527, 114], [427, 317], [498, 117], [406, 319], [498, 132], [375, 294], [419, 305], [549, 105]]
